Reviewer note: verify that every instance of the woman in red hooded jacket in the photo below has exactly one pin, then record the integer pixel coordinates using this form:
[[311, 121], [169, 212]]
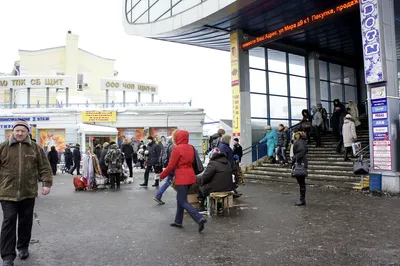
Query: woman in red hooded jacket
[[182, 158]]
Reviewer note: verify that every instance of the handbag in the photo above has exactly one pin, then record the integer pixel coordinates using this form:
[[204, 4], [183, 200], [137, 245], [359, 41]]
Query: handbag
[[360, 167], [158, 169], [197, 164], [299, 170]]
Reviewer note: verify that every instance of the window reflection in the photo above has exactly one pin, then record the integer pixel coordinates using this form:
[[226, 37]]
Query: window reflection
[[297, 105], [275, 123], [257, 81], [349, 76], [257, 129], [323, 70], [276, 61], [335, 72], [257, 58], [258, 105], [297, 65], [350, 93], [298, 87], [324, 90], [278, 84], [337, 92], [279, 107]]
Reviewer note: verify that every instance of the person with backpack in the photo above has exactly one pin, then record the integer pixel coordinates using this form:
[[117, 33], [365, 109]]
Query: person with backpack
[[215, 139], [165, 157], [114, 160]]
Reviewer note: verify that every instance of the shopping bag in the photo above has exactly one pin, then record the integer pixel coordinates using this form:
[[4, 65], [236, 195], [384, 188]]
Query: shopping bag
[[197, 164], [361, 167], [356, 147], [299, 170]]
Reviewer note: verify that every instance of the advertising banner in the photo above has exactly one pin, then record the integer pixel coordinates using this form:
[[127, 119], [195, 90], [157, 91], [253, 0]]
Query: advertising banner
[[158, 132], [133, 134], [372, 41], [99, 116], [52, 137], [132, 86], [36, 82], [235, 76]]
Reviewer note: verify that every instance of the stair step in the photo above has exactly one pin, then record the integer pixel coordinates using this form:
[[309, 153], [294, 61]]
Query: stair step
[[252, 177], [343, 176], [324, 168]]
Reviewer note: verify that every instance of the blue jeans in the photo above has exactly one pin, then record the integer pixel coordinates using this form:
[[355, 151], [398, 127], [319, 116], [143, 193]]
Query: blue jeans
[[164, 187], [183, 204]]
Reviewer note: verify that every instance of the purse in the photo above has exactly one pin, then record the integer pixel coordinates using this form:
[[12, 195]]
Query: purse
[[360, 167], [197, 164], [299, 170]]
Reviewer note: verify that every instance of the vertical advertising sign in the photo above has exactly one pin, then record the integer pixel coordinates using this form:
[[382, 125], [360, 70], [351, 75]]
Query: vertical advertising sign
[[234, 49], [382, 151], [372, 42]]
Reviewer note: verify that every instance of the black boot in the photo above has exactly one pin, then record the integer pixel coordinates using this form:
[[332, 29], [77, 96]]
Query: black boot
[[156, 183], [302, 200], [112, 181]]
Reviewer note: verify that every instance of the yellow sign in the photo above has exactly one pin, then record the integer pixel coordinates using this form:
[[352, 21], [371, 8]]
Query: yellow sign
[[234, 45], [99, 116]]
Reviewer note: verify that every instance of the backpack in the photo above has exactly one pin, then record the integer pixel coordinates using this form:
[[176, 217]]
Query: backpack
[[197, 164]]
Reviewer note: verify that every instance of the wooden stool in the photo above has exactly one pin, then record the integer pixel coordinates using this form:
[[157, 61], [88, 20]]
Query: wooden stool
[[212, 199]]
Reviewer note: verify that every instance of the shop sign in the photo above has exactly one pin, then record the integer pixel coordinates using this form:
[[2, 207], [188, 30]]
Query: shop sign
[[371, 38], [35, 82], [121, 85], [28, 119], [235, 83], [382, 155], [99, 116], [380, 123]]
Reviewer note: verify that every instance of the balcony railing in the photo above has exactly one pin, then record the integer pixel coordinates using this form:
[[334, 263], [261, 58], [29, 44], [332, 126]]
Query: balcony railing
[[96, 105], [146, 11]]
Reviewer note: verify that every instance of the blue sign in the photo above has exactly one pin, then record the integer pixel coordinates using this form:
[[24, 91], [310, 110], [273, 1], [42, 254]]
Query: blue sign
[[371, 37], [381, 136], [379, 102], [379, 109], [379, 123], [33, 119]]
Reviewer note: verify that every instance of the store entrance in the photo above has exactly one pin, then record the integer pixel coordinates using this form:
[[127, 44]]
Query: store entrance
[[94, 140]]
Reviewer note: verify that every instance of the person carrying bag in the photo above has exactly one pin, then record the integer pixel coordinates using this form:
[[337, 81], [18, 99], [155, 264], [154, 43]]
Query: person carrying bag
[[300, 164]]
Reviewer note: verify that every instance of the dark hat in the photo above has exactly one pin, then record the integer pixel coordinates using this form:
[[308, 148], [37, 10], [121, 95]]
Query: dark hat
[[77, 145], [112, 143], [150, 137], [22, 123], [236, 139]]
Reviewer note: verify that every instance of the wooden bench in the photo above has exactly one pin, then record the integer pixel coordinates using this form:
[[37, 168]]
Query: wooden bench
[[213, 198]]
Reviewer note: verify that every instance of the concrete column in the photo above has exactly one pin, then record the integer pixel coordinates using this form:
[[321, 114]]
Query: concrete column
[[314, 79], [240, 63], [28, 97], [384, 142], [83, 143], [11, 97], [47, 97]]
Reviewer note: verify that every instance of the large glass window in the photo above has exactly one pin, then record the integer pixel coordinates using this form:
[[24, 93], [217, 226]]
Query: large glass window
[[257, 58], [257, 81], [349, 76], [323, 70], [350, 93], [297, 105], [335, 73], [275, 123], [276, 61], [297, 65], [279, 107], [278, 84], [298, 87], [324, 87], [258, 105], [336, 92]]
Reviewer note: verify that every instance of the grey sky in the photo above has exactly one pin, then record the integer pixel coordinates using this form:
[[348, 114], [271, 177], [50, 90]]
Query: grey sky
[[181, 71]]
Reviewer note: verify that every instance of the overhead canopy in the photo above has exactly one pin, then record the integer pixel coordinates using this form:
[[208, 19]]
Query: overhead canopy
[[97, 130]]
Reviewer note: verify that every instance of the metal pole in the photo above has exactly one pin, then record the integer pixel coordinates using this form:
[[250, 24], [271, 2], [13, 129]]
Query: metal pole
[[11, 97], [257, 152], [28, 97], [66, 96], [47, 97], [139, 98], [106, 98], [152, 98], [124, 98]]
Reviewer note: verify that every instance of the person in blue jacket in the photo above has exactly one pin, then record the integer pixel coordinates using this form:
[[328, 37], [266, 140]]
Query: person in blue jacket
[[271, 138]]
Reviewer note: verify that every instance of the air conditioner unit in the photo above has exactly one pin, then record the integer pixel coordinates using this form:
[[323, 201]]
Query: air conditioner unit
[[79, 87], [85, 85]]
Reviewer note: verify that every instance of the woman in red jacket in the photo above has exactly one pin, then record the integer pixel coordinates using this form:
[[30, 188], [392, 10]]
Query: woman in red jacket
[[181, 160]]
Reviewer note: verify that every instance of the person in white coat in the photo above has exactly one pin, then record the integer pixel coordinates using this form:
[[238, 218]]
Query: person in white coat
[[354, 112], [349, 135]]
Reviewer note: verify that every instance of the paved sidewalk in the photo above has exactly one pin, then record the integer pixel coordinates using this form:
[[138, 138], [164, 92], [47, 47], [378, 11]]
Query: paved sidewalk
[[128, 228]]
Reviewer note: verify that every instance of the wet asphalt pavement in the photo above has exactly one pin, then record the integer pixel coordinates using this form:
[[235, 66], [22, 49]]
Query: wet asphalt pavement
[[127, 227]]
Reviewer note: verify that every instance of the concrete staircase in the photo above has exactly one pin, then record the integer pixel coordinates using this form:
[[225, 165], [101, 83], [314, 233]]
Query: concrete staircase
[[326, 167]]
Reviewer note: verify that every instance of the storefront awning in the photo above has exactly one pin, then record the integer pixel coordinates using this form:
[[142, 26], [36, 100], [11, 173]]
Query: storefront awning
[[97, 130]]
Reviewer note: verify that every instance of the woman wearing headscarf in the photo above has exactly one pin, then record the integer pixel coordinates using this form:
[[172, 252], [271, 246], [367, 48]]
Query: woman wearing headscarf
[[271, 138], [182, 159], [354, 112]]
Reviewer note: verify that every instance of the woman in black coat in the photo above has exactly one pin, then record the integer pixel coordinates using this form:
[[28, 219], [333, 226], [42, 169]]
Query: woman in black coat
[[53, 159], [216, 178], [68, 158], [300, 151]]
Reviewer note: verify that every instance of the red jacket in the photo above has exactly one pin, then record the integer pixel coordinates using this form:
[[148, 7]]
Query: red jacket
[[182, 158]]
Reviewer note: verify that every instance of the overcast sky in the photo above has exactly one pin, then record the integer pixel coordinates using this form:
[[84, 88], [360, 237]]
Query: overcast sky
[[181, 71]]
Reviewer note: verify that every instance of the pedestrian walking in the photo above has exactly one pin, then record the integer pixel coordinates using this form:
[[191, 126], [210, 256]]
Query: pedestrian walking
[[153, 158], [102, 159], [77, 157], [53, 159], [282, 145], [97, 151], [114, 160], [237, 149], [168, 151], [68, 158], [23, 163], [181, 161], [128, 151], [349, 135], [317, 121], [271, 138]]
